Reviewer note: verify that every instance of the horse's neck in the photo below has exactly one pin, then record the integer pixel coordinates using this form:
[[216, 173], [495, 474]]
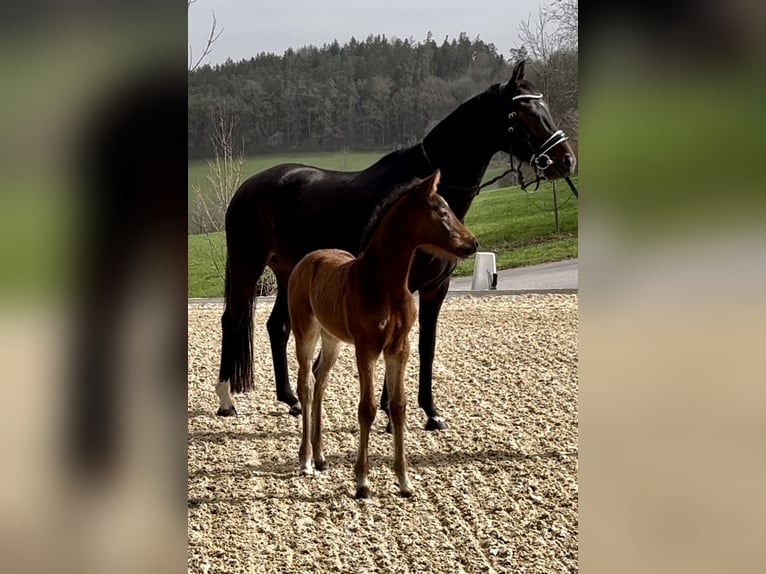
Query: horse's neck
[[458, 146]]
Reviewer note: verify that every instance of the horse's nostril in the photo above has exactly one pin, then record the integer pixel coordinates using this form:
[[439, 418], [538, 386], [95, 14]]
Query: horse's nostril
[[569, 161], [475, 244]]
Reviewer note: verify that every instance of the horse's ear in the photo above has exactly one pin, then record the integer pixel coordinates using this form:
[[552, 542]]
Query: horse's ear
[[428, 186], [518, 73]]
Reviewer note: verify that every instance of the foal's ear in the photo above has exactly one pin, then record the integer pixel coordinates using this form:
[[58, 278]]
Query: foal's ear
[[518, 73], [428, 185]]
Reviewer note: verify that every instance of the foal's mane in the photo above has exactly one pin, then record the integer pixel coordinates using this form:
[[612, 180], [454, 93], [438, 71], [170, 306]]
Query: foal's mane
[[382, 209]]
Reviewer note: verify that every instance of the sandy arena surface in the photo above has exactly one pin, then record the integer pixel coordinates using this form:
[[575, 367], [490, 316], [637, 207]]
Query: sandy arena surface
[[495, 492]]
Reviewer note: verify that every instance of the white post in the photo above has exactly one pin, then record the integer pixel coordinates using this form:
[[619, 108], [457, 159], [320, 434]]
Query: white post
[[484, 269]]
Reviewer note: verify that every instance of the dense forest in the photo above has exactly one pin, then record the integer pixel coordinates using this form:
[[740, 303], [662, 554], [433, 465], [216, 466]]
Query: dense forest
[[376, 94]]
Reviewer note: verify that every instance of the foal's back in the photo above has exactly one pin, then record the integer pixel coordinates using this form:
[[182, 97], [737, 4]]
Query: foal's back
[[316, 292]]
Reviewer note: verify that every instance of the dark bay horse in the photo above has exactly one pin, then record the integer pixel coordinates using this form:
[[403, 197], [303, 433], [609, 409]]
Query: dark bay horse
[[279, 215], [366, 301]]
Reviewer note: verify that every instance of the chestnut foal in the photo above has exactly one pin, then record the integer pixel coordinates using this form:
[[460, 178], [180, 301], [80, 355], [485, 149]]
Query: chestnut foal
[[365, 301]]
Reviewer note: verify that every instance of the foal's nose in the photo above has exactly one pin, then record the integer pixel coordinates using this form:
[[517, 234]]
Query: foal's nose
[[569, 162], [475, 245]]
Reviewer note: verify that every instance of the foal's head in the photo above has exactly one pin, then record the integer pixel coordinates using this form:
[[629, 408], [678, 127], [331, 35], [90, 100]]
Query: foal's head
[[431, 223]]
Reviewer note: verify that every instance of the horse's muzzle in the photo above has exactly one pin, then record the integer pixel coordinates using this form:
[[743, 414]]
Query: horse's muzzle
[[468, 248], [569, 163]]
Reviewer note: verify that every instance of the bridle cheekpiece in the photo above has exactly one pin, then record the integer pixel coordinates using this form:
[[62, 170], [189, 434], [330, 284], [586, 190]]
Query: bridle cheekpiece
[[540, 159]]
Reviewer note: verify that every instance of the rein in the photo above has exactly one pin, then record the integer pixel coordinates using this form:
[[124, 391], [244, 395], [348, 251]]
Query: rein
[[473, 188]]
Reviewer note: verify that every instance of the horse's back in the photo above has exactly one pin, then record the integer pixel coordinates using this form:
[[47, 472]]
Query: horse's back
[[298, 208]]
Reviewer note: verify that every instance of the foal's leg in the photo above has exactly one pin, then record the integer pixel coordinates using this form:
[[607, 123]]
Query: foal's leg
[[305, 341], [430, 305], [327, 357], [278, 327], [396, 361], [365, 361]]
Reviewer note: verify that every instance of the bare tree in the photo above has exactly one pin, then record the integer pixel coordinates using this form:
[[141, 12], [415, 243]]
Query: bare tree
[[225, 173], [564, 16], [224, 177], [212, 37], [550, 40]]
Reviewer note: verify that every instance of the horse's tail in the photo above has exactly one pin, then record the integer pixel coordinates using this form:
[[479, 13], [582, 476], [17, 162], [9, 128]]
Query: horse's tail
[[244, 265]]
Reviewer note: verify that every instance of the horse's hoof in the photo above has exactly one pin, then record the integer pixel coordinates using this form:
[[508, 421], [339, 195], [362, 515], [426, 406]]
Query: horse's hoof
[[289, 399], [362, 492], [320, 464], [295, 410], [389, 428], [436, 423], [405, 493], [307, 471], [230, 412]]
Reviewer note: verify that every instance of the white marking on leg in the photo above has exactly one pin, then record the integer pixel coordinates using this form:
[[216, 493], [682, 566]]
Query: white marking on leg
[[224, 395], [405, 486], [362, 483]]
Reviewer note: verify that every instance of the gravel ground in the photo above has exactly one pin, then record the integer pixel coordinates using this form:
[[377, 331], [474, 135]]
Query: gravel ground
[[495, 492]]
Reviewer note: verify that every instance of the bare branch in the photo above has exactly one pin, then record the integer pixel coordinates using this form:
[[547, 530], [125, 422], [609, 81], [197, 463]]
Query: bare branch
[[536, 36], [212, 37], [564, 14]]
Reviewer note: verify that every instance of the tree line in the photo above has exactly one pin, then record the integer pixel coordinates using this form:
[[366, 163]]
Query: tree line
[[375, 94]]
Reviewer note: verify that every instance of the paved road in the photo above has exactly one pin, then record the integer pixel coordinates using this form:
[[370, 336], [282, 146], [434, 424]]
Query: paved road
[[558, 275]]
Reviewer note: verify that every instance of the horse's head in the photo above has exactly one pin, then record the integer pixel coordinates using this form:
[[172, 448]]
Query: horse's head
[[531, 135], [434, 224]]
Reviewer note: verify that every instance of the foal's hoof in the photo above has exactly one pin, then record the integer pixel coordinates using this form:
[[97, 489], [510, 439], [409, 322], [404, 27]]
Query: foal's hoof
[[389, 428], [436, 423], [362, 492], [320, 464], [405, 493], [230, 412], [295, 410]]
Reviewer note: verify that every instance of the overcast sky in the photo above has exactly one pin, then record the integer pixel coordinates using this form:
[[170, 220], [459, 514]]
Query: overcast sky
[[254, 26]]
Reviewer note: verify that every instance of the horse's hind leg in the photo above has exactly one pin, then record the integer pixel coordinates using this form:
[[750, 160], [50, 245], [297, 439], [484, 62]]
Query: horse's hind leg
[[365, 361], [278, 327], [243, 268], [305, 341], [327, 357]]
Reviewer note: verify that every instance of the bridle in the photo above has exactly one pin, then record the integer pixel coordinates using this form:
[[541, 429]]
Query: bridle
[[540, 160]]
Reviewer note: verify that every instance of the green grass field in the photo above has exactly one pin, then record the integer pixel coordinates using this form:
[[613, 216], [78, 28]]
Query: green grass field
[[517, 225]]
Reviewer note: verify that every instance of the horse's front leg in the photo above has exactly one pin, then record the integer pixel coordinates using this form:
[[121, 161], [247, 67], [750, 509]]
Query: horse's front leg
[[396, 361], [430, 305], [278, 327], [365, 361]]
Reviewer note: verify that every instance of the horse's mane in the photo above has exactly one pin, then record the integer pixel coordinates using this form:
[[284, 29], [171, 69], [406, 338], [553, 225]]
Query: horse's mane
[[387, 160], [382, 209]]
